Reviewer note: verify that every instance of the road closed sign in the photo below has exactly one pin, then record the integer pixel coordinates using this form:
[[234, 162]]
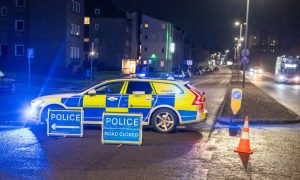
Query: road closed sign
[[236, 100], [122, 128], [65, 123]]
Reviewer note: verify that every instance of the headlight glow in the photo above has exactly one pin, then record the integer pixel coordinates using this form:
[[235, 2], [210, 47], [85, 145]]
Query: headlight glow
[[251, 70], [297, 78]]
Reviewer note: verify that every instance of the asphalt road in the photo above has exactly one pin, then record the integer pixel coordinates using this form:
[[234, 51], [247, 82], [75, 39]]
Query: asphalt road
[[27, 153], [214, 85], [286, 94]]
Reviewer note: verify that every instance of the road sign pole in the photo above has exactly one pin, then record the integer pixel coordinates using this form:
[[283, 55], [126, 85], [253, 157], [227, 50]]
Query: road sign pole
[[29, 72], [244, 76]]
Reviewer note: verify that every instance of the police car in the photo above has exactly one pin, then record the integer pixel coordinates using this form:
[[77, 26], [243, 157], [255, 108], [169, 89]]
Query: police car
[[163, 103]]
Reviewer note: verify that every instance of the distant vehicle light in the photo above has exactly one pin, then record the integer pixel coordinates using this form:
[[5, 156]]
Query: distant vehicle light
[[260, 71], [290, 65], [281, 77], [251, 70], [297, 79]]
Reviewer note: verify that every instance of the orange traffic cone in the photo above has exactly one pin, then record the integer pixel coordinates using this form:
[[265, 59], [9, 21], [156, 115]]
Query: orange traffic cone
[[244, 145]]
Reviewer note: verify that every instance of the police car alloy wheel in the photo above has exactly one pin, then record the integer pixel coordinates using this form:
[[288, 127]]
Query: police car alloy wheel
[[164, 121]]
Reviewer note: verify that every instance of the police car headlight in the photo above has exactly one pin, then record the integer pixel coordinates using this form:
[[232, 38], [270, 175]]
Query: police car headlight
[[36, 102], [251, 70]]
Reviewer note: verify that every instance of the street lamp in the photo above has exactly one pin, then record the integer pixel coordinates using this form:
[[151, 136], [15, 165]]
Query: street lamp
[[246, 41], [92, 55]]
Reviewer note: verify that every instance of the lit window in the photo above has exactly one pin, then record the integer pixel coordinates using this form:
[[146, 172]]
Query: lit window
[[3, 11], [19, 25], [87, 20], [163, 26], [20, 3], [19, 50], [145, 62], [86, 40], [162, 64], [97, 11], [96, 26], [146, 25]]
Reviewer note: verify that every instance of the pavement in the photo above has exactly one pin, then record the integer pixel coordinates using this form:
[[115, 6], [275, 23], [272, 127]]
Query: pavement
[[258, 105]]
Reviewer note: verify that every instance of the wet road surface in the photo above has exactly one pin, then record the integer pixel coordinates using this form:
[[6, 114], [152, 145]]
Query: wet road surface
[[286, 94]]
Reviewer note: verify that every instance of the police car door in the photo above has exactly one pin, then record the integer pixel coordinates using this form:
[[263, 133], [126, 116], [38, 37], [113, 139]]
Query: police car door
[[140, 98], [106, 99]]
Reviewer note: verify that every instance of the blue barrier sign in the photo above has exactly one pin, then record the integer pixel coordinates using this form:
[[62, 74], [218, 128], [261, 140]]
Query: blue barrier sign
[[122, 128], [65, 123]]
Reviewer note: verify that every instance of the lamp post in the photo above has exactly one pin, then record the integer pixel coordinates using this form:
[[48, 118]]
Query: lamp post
[[246, 41], [92, 54]]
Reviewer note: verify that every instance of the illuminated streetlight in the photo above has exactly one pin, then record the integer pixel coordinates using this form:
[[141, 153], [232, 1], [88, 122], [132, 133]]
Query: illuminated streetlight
[[92, 54]]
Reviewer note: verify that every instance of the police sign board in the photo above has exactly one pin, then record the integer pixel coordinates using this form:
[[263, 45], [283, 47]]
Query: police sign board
[[236, 100], [122, 128], [65, 123]]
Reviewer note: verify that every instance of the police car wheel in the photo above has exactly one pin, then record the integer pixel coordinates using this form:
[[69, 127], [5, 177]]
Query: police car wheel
[[164, 121], [44, 113]]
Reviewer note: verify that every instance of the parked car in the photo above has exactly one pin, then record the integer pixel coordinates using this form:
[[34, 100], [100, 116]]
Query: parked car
[[7, 84]]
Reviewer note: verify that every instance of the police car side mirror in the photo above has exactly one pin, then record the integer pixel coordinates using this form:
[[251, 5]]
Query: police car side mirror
[[92, 92]]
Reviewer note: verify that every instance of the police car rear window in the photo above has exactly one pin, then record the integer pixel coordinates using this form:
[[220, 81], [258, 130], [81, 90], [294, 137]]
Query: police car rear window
[[166, 88], [139, 88]]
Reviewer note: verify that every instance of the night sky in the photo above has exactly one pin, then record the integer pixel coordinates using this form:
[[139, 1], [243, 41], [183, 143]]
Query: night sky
[[210, 23]]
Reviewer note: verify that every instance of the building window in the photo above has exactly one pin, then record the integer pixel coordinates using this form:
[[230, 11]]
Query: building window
[[145, 49], [162, 50], [162, 64], [86, 20], [96, 41], [146, 36], [146, 25], [127, 29], [163, 26], [97, 11], [3, 11], [78, 7], [97, 27], [20, 3], [86, 40], [127, 43], [77, 52], [19, 25], [19, 50]]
